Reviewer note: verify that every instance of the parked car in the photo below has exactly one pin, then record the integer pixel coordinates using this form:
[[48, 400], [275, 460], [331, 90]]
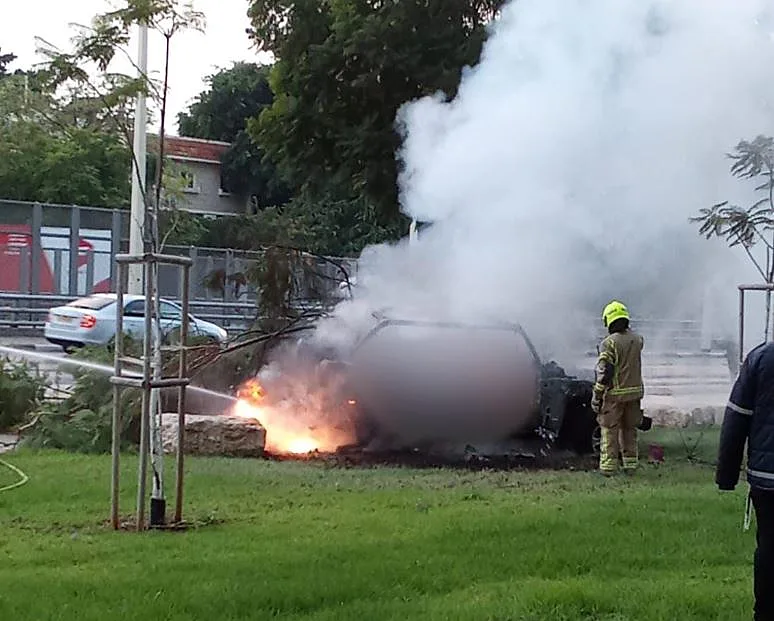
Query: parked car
[[91, 320]]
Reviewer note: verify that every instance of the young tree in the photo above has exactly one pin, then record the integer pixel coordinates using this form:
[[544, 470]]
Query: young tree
[[88, 65], [752, 226]]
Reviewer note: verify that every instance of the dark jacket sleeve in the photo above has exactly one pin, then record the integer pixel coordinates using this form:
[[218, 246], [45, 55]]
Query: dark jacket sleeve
[[736, 425]]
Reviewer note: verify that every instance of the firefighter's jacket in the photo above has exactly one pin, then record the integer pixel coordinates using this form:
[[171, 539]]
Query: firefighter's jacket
[[749, 418], [619, 368]]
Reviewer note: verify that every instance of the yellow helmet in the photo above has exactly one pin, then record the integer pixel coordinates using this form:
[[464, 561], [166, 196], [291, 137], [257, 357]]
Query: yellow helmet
[[614, 310]]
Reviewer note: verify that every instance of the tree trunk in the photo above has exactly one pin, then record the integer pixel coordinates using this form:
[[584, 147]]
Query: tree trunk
[[157, 450]]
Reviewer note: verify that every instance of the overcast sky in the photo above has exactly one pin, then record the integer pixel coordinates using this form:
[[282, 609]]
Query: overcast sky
[[194, 55]]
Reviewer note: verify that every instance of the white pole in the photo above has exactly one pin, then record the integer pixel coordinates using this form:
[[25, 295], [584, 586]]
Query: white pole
[[137, 216]]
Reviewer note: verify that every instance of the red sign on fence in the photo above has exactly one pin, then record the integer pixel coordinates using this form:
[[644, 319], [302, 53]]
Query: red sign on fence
[[16, 262]]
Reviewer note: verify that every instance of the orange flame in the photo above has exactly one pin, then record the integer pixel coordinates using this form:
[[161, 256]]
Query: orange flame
[[290, 428]]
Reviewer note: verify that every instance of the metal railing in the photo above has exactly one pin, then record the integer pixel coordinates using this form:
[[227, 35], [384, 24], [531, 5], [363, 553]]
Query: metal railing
[[30, 311], [51, 254]]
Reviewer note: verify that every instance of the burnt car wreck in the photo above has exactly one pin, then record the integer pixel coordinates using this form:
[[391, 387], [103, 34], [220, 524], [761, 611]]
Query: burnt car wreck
[[454, 392]]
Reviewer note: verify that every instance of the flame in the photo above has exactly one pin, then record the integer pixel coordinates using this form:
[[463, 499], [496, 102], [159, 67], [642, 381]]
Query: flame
[[291, 428]]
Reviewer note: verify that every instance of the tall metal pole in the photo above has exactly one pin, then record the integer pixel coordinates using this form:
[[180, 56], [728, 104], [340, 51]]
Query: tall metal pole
[[116, 438], [138, 202]]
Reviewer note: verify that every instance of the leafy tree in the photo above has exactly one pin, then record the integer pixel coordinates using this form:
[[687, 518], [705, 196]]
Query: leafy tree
[[22, 389], [234, 95], [751, 226], [333, 228], [220, 113], [5, 60], [54, 149], [87, 68], [344, 69]]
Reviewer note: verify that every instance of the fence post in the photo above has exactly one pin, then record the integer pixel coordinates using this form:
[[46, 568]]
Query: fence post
[[57, 271], [24, 276], [193, 277], [210, 263], [89, 271], [37, 247], [115, 248], [75, 236], [228, 269]]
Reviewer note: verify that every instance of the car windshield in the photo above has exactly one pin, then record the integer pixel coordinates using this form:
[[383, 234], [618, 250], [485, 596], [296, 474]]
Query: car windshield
[[93, 302]]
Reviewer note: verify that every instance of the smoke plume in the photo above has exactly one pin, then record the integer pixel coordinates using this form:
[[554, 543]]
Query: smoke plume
[[565, 170], [561, 176]]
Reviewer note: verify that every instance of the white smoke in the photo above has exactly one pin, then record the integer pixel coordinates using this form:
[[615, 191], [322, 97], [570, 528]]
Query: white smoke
[[565, 170]]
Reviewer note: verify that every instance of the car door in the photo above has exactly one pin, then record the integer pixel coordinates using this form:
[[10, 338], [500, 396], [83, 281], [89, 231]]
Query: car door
[[171, 318], [134, 319]]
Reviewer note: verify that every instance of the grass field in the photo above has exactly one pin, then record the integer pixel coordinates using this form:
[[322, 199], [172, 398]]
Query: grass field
[[299, 541]]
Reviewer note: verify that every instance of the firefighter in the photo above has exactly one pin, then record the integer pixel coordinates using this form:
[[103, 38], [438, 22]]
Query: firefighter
[[618, 391], [749, 419]]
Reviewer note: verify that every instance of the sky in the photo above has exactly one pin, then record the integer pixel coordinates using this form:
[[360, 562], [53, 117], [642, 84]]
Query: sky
[[194, 55]]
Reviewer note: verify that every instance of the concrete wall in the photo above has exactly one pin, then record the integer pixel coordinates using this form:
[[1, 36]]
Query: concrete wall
[[205, 196]]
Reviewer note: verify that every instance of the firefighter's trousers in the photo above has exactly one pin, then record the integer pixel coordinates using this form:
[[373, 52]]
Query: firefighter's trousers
[[618, 422]]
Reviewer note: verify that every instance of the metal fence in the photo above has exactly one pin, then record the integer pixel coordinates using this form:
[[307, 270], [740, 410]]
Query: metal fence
[[51, 254], [67, 250]]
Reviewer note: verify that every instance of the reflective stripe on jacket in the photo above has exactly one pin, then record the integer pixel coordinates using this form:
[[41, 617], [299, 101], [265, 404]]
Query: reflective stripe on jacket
[[619, 367], [749, 420]]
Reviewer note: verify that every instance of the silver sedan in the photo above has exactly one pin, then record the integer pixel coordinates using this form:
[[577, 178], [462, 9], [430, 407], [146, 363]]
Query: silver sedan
[[92, 321]]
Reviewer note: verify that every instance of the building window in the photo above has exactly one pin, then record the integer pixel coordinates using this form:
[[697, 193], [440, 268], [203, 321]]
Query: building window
[[189, 181], [223, 190]]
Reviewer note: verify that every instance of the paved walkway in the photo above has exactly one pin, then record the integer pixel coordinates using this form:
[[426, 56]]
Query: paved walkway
[[681, 385]]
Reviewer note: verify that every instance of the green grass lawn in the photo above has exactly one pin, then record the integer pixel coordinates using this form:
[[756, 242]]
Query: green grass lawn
[[302, 541]]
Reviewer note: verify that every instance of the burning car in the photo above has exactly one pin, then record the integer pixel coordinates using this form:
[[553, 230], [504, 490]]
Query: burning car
[[437, 388]]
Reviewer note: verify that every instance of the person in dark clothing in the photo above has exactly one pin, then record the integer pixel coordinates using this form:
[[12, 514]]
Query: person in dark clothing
[[749, 419]]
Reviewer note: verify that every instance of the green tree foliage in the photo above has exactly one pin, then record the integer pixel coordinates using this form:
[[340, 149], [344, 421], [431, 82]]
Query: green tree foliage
[[83, 421], [87, 68], [57, 149], [234, 95], [334, 228], [5, 60], [344, 68], [754, 224], [21, 393], [221, 113], [751, 226]]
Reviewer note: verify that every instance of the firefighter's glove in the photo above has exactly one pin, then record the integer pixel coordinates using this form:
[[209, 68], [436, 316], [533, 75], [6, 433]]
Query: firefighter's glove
[[596, 403]]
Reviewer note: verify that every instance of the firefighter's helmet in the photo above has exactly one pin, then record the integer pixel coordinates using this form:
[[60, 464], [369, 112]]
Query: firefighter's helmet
[[614, 310]]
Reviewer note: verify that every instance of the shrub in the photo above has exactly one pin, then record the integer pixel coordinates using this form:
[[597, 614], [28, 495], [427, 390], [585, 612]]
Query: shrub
[[22, 389], [83, 422]]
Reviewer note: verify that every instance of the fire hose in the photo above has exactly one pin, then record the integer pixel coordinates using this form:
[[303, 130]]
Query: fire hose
[[23, 478]]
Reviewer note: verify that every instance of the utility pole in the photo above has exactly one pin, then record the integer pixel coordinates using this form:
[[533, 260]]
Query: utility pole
[[139, 204]]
